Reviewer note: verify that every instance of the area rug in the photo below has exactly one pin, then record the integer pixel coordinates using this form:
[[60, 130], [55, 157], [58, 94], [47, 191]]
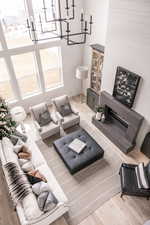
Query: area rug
[[93, 186]]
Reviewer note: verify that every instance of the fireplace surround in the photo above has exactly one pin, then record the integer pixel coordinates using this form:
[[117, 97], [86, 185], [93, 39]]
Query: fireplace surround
[[122, 124]]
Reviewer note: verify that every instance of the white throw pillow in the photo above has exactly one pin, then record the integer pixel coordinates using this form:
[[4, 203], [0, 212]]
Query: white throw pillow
[[31, 208], [141, 177], [40, 187], [27, 167], [23, 161], [19, 146]]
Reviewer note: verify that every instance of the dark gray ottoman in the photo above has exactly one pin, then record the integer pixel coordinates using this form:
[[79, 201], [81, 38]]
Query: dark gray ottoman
[[75, 162]]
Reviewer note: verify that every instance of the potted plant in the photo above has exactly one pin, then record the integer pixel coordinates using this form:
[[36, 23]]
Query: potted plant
[[99, 112]]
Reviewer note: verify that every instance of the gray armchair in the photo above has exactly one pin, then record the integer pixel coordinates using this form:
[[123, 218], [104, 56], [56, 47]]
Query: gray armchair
[[45, 122], [67, 116]]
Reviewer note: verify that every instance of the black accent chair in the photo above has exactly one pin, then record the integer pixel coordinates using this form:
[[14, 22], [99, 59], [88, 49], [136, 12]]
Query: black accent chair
[[129, 184]]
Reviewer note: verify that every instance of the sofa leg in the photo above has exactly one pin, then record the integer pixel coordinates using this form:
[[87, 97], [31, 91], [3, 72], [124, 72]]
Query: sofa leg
[[147, 198]]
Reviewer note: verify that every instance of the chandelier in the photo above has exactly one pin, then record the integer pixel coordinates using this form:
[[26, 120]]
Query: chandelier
[[58, 26]]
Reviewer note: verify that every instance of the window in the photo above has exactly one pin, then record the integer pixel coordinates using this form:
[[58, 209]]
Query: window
[[31, 68], [51, 66], [5, 85], [26, 74], [49, 14], [13, 19]]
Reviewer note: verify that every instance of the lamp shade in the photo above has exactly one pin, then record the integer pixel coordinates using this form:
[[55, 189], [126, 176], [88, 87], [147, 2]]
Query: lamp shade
[[18, 113], [82, 72]]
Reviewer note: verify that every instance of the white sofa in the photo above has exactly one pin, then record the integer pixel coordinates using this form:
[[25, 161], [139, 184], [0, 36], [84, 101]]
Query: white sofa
[[7, 155]]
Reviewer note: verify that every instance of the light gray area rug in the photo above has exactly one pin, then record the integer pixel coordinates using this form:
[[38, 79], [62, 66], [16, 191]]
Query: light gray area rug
[[93, 186]]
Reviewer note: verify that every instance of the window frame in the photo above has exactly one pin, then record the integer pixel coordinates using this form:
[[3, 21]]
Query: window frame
[[60, 84], [35, 48]]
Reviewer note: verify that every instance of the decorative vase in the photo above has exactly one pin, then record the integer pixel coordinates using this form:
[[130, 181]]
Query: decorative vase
[[103, 118], [98, 115]]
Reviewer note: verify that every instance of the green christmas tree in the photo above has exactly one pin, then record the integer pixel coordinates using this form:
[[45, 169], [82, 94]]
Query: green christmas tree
[[7, 125]]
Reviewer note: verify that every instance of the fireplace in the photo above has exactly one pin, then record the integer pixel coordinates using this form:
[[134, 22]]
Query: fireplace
[[114, 117], [122, 124]]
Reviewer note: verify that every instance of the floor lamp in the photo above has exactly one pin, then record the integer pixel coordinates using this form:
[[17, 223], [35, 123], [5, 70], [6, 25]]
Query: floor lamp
[[82, 74]]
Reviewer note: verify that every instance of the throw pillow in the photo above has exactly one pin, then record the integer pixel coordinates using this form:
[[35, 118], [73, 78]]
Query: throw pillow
[[47, 201], [65, 109], [22, 161], [32, 179], [16, 136], [27, 166], [14, 139], [44, 118], [21, 136], [42, 199], [36, 173], [24, 155], [141, 177], [20, 148], [40, 187], [18, 184], [50, 203]]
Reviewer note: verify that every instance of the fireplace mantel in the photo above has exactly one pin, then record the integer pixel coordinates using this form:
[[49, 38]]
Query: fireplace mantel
[[123, 137]]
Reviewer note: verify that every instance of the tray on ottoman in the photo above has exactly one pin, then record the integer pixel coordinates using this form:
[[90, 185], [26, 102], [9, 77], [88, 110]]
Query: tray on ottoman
[[74, 161]]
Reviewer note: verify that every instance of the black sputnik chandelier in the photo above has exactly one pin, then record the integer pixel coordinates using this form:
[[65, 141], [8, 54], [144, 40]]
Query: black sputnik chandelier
[[57, 26]]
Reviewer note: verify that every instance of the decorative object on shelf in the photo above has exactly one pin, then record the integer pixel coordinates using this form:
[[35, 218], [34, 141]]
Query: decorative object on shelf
[[103, 118], [82, 74], [99, 112], [19, 115], [36, 24], [126, 85], [96, 67], [95, 76], [7, 125]]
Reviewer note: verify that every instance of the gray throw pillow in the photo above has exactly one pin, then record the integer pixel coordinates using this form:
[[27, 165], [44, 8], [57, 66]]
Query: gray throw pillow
[[65, 109], [14, 139], [21, 136], [16, 136], [47, 201], [44, 118]]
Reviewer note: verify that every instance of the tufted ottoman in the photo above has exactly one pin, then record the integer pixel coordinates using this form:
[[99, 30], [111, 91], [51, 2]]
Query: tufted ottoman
[[75, 162]]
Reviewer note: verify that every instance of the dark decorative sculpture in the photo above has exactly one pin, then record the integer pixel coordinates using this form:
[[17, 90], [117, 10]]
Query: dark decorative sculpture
[[126, 85]]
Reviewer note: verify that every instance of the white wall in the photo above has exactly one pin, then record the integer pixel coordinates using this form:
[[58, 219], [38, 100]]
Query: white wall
[[128, 45], [99, 10]]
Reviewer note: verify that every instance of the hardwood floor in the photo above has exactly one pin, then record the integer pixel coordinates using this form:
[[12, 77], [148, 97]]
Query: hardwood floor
[[117, 211]]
